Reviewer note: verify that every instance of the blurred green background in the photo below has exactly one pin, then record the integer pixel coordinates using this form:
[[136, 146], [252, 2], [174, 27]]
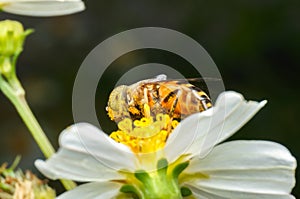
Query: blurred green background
[[255, 44]]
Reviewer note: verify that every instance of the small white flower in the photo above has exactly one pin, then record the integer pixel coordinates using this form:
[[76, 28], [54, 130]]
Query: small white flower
[[190, 165], [42, 8]]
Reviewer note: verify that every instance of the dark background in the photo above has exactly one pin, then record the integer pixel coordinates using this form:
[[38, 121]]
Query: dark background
[[255, 45]]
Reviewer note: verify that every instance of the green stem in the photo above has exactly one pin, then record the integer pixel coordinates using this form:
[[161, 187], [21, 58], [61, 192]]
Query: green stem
[[16, 94]]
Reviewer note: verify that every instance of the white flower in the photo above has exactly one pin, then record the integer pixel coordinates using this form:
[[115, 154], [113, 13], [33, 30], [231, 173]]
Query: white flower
[[189, 165], [42, 8]]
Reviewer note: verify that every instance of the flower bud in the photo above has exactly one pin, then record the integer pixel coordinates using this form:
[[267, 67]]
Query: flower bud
[[12, 36]]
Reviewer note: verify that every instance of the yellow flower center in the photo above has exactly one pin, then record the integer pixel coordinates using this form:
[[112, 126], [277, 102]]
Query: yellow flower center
[[145, 135]]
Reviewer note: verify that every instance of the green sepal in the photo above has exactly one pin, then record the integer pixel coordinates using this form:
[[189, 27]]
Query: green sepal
[[162, 167], [142, 175], [162, 164], [185, 191], [179, 168], [128, 189]]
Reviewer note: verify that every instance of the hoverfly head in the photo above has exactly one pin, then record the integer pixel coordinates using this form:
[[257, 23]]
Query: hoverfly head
[[117, 103]]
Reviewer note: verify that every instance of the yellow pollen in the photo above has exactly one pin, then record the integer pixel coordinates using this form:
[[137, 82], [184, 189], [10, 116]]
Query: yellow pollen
[[145, 135]]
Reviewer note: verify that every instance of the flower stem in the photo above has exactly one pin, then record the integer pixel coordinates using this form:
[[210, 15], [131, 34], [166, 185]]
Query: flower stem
[[16, 94]]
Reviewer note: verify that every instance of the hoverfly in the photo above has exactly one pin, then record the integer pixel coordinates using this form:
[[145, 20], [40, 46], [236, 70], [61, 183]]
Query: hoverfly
[[176, 98]]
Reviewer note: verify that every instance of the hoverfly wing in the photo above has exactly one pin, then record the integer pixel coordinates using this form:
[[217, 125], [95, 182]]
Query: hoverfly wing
[[158, 78], [163, 78], [210, 85]]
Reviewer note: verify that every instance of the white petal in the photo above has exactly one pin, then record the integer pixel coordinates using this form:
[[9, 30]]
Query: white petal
[[43, 8], [84, 136], [76, 165], [87, 153], [97, 190], [200, 194], [246, 169], [18, 1], [200, 132]]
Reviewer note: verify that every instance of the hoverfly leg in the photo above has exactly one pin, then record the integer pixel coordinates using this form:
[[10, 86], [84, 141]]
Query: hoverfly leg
[[147, 112], [172, 110]]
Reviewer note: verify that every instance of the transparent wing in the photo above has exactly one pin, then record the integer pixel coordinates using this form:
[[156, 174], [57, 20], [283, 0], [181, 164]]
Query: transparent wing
[[206, 84]]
